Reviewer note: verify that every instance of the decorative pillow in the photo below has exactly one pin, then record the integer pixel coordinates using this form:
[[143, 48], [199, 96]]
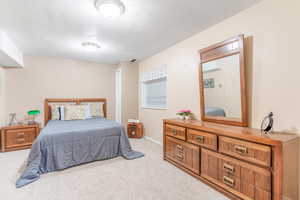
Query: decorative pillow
[[87, 111], [61, 110], [96, 109], [55, 112], [74, 112]]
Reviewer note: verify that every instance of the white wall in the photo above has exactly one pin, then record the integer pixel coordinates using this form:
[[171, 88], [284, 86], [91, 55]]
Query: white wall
[[272, 62], [49, 77]]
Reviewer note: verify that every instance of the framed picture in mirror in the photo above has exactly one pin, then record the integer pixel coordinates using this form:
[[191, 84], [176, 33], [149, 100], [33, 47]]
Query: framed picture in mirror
[[222, 83]]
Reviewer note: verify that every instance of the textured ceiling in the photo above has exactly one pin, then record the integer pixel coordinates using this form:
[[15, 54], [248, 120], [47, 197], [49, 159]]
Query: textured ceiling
[[58, 27]]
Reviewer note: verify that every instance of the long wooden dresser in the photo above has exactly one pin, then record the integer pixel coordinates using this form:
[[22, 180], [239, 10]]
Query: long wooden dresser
[[240, 162]]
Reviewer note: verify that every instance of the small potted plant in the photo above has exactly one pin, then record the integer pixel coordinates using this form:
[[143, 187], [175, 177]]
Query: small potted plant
[[184, 114]]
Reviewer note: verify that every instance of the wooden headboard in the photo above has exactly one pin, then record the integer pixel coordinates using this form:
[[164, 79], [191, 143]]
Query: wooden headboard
[[47, 108]]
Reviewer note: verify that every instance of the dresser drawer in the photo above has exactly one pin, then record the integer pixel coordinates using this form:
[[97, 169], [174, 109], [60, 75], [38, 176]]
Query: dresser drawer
[[185, 154], [230, 181], [246, 180], [229, 168], [202, 138], [256, 182], [209, 165], [252, 152], [176, 131], [19, 137]]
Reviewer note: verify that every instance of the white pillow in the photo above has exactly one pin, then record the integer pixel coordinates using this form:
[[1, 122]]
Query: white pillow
[[87, 112], [74, 112], [96, 109]]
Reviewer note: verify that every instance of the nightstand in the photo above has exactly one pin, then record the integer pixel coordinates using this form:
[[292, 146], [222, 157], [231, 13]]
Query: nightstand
[[135, 130], [18, 137]]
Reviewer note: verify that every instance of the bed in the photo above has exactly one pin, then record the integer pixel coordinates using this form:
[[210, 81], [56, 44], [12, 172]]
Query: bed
[[63, 144]]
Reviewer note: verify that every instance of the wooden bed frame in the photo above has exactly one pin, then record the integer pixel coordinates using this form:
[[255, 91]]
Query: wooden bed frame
[[47, 109]]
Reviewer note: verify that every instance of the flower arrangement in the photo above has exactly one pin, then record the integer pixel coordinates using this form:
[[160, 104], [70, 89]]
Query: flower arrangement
[[185, 114]]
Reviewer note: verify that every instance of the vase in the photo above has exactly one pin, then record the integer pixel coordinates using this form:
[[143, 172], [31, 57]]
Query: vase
[[187, 117], [181, 117]]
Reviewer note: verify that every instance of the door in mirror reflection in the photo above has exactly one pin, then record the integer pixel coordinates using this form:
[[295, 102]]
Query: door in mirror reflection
[[222, 87]]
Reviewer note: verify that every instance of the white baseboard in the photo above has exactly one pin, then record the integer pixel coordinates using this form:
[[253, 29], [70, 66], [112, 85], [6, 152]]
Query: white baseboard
[[152, 140]]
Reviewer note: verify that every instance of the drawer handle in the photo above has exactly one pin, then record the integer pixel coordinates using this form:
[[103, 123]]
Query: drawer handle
[[200, 138], [20, 135], [174, 132], [240, 150], [20, 140], [228, 168], [179, 156], [228, 181]]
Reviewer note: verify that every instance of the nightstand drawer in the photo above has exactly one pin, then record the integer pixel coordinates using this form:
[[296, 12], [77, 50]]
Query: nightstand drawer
[[135, 130], [19, 137]]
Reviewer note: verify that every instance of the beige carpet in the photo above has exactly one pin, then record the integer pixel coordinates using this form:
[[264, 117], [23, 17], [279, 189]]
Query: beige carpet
[[148, 178]]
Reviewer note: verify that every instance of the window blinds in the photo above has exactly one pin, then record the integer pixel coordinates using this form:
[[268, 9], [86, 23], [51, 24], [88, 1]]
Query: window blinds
[[154, 88]]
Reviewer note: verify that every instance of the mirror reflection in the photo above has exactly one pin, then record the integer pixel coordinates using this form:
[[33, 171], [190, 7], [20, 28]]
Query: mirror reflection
[[222, 87]]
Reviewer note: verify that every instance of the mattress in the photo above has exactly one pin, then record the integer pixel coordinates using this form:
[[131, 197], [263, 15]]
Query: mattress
[[63, 144]]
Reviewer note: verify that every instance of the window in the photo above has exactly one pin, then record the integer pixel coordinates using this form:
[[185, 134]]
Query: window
[[154, 89], [155, 93]]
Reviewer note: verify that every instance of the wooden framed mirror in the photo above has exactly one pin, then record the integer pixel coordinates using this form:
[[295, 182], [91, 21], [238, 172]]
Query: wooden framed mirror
[[222, 83]]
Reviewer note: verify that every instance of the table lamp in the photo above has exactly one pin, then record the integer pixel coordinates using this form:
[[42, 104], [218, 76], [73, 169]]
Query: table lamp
[[32, 114]]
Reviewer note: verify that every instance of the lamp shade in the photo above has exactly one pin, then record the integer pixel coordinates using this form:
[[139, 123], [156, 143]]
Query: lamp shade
[[33, 112]]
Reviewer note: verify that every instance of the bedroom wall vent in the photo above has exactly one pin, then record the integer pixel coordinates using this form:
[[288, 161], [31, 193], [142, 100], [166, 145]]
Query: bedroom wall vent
[[10, 55], [133, 60]]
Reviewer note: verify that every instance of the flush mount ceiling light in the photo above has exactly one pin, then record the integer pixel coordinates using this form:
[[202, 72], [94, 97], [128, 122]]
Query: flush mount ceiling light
[[110, 8], [91, 46]]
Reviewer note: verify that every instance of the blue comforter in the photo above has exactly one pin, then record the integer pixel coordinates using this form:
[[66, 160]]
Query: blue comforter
[[62, 144]]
